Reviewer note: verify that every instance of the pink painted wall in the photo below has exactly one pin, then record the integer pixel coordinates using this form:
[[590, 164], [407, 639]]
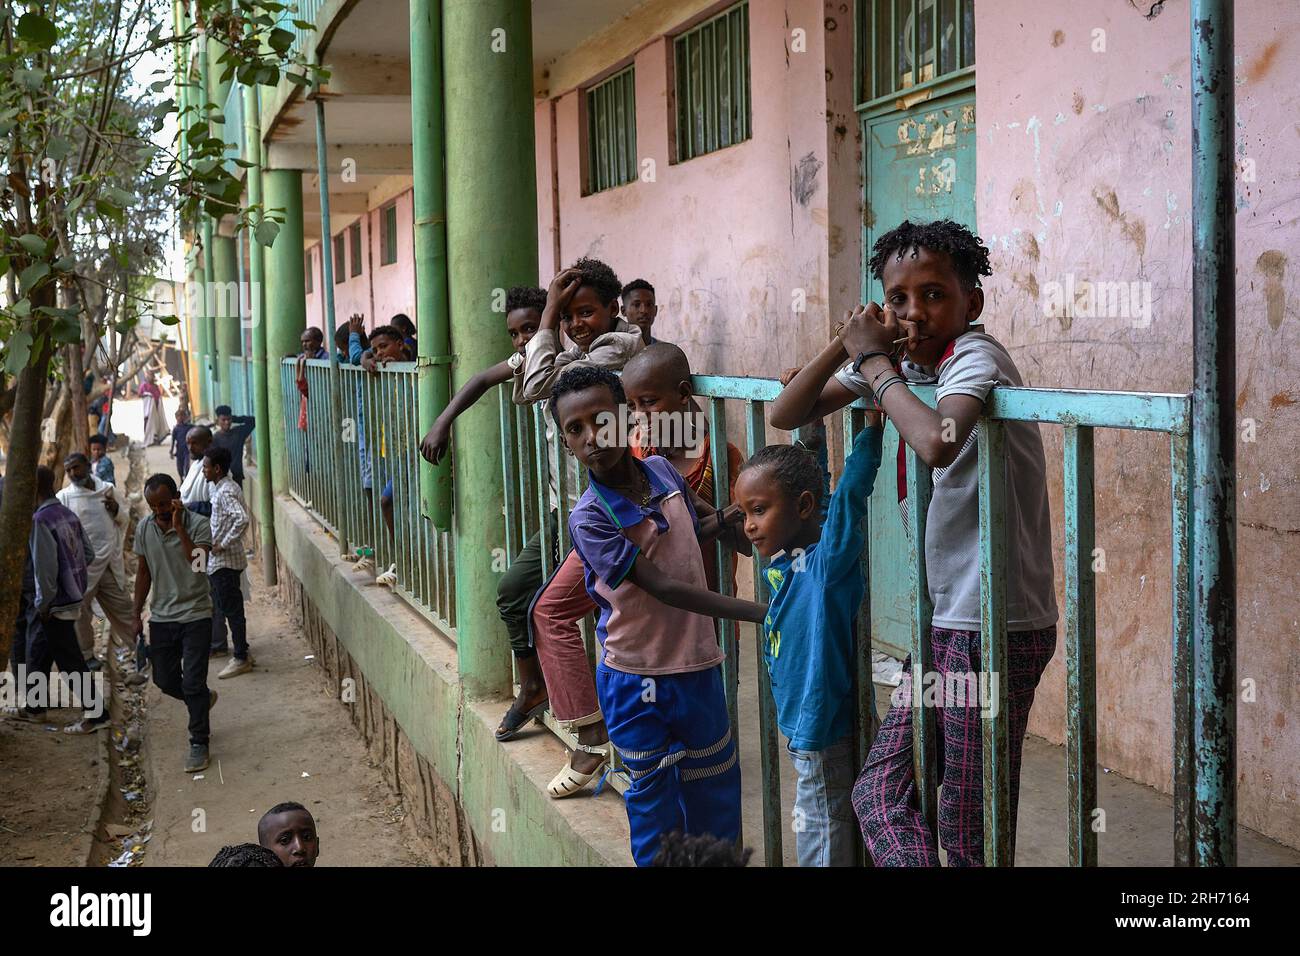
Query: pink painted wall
[[1085, 169], [380, 291], [722, 237]]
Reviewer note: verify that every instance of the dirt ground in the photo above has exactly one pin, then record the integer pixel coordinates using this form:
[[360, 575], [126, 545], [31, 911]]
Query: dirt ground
[[277, 735], [49, 782]]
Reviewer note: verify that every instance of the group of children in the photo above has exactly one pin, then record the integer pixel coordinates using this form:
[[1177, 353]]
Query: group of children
[[642, 556]]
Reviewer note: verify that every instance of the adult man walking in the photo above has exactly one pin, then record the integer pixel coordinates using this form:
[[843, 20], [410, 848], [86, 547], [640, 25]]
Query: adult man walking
[[92, 500], [60, 554], [173, 544]]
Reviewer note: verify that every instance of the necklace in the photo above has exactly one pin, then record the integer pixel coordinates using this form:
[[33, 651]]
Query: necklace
[[643, 496]]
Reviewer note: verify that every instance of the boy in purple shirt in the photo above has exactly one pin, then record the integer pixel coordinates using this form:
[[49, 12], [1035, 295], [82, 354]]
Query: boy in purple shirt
[[658, 681]]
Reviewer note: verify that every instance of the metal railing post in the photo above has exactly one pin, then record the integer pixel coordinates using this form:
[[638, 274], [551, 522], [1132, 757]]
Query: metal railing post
[[1214, 436]]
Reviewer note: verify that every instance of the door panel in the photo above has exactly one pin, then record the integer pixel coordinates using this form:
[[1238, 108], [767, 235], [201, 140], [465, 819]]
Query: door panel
[[920, 165]]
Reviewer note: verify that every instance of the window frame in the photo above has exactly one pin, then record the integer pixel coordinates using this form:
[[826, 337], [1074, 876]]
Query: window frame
[[697, 105]]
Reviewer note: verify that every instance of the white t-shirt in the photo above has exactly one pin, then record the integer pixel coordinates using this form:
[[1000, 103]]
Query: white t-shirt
[[195, 488], [952, 543], [105, 531]]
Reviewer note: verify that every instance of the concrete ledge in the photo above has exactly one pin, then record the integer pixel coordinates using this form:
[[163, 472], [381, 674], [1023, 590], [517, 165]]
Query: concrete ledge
[[478, 800]]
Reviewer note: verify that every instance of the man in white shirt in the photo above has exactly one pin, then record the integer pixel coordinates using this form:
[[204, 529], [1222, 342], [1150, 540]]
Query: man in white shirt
[[92, 500], [196, 491]]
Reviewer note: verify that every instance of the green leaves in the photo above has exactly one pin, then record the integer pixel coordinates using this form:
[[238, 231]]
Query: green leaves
[[33, 274], [57, 148], [31, 80], [37, 31], [266, 232], [109, 211], [18, 351], [33, 244], [280, 40]]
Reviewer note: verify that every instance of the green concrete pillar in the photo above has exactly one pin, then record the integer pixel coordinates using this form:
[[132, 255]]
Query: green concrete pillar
[[265, 503], [286, 305], [197, 293], [491, 190], [431, 315], [225, 309]]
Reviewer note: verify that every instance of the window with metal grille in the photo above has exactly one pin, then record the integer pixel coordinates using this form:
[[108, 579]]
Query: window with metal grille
[[711, 77], [388, 235], [611, 132], [306, 271], [354, 241], [907, 43], [339, 273]]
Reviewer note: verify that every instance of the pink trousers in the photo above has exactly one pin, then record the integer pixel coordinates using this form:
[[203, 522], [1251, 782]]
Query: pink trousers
[[556, 610]]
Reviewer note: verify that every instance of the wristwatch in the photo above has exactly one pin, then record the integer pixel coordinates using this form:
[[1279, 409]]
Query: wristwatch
[[863, 356]]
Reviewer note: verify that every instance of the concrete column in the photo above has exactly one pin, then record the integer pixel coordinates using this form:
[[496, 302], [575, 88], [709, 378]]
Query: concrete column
[[491, 191], [202, 396], [225, 310], [286, 305]]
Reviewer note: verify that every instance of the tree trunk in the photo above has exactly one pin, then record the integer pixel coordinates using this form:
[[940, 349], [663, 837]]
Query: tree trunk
[[20, 486], [80, 413]]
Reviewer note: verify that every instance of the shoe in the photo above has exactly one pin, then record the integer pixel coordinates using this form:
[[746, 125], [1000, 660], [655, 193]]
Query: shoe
[[364, 564], [212, 699], [198, 758], [389, 577], [234, 667], [218, 652], [94, 664], [33, 714], [568, 781], [86, 726]]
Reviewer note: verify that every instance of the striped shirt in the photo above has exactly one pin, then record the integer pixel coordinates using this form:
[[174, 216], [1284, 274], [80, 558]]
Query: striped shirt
[[229, 519]]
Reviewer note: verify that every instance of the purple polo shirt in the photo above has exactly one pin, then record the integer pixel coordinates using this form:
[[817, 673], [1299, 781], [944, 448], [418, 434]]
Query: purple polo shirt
[[638, 633]]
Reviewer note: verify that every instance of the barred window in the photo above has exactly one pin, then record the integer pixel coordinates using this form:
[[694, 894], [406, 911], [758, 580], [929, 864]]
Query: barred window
[[611, 132], [711, 76], [354, 241], [388, 235]]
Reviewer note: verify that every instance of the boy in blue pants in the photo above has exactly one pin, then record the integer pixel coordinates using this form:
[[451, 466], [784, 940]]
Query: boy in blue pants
[[659, 679], [815, 575]]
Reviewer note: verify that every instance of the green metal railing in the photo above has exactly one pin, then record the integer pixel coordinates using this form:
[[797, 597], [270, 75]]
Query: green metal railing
[[388, 404], [241, 385], [377, 422]]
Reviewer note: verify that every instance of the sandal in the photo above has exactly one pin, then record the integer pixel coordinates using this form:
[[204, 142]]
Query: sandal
[[568, 781], [389, 577], [515, 719]]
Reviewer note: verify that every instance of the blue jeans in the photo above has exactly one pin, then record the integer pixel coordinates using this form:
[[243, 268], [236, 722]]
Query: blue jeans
[[825, 828]]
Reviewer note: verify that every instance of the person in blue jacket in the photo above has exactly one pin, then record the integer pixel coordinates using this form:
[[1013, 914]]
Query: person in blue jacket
[[815, 576]]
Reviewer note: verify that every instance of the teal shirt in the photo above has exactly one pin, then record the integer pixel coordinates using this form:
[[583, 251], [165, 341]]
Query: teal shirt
[[178, 594], [810, 630]]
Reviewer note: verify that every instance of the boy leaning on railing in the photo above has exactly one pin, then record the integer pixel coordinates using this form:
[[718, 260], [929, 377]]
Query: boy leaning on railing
[[931, 277]]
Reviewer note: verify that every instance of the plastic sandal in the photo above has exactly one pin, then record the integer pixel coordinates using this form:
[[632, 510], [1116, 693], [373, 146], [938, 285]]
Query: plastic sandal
[[568, 781], [514, 721]]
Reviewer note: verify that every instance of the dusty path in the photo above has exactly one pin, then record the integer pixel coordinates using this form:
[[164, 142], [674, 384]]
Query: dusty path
[[276, 736]]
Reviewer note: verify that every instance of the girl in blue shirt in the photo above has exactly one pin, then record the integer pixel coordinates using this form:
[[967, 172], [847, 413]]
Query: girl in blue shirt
[[816, 580]]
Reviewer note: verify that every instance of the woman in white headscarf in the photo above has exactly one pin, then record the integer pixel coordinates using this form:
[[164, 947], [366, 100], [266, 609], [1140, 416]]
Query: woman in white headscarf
[[156, 428]]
